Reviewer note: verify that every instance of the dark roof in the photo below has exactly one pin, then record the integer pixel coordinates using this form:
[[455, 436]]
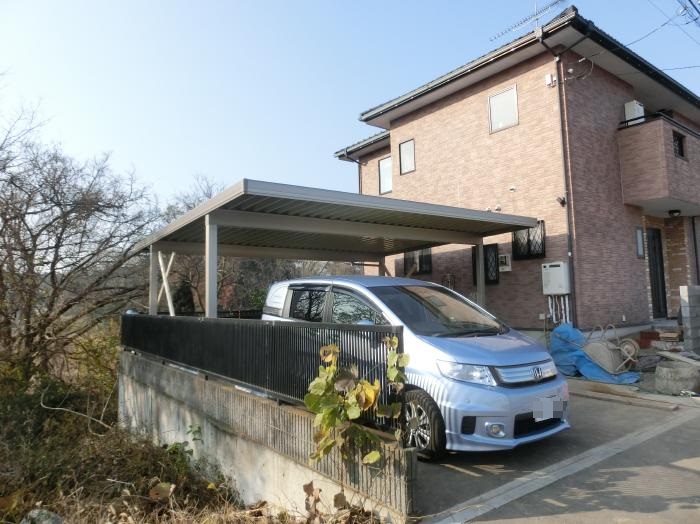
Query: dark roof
[[568, 29], [369, 144]]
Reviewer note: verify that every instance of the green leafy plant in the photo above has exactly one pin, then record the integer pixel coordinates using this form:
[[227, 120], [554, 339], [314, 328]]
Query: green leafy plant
[[339, 396]]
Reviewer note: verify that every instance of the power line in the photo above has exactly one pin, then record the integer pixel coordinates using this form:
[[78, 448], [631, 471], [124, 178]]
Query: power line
[[669, 19], [693, 14], [663, 69]]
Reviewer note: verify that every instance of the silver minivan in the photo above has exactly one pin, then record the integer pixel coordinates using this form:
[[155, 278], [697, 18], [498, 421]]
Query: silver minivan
[[474, 384]]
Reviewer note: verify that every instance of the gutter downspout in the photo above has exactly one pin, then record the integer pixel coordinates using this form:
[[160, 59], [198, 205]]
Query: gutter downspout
[[566, 164], [695, 250]]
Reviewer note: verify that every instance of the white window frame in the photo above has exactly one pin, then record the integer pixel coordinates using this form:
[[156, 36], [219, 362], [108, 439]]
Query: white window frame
[[401, 157], [513, 88], [390, 179]]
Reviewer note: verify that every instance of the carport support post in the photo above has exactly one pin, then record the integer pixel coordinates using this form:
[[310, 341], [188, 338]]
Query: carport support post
[[210, 268], [480, 275], [153, 282]]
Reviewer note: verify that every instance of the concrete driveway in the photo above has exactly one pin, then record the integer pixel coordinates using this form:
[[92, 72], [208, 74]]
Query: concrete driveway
[[620, 463]]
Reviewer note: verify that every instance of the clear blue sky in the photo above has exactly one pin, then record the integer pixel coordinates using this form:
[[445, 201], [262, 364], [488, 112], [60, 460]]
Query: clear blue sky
[[261, 89]]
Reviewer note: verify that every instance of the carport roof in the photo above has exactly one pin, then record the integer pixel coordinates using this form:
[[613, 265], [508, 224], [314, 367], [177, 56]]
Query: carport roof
[[256, 218]]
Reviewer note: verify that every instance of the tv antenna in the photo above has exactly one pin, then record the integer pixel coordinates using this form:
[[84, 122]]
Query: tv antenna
[[690, 10], [534, 17]]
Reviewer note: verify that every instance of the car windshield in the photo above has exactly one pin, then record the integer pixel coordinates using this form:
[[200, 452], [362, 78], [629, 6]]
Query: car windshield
[[437, 312]]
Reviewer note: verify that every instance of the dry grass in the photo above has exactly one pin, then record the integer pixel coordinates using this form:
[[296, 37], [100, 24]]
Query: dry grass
[[88, 473]]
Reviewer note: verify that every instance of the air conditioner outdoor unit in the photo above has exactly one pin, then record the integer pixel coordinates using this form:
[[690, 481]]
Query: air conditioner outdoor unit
[[504, 263], [634, 110]]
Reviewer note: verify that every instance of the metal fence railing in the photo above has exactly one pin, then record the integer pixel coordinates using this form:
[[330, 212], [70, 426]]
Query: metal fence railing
[[279, 358]]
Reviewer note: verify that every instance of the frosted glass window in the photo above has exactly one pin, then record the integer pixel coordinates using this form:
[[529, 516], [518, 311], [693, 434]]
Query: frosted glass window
[[385, 175], [407, 156], [503, 109]]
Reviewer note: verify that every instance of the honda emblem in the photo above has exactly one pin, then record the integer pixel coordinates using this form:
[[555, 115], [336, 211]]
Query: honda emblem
[[537, 373]]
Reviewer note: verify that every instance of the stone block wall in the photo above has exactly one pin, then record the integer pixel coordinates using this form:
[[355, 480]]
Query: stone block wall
[[263, 446], [690, 309]]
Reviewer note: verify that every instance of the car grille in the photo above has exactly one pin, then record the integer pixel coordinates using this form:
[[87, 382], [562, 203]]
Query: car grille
[[517, 376], [525, 425]]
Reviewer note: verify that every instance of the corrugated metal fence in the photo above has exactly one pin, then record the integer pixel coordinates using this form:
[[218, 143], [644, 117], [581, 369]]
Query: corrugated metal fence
[[280, 358]]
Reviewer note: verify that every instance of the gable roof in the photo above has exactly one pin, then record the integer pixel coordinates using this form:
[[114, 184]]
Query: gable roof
[[570, 30], [363, 147]]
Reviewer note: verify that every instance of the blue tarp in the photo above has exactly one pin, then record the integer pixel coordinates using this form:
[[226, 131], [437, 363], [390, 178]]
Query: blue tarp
[[566, 343]]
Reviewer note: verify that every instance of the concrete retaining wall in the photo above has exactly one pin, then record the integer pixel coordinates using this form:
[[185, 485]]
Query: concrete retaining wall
[[690, 310], [262, 446]]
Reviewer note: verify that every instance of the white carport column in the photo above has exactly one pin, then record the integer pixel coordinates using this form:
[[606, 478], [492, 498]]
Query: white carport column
[[153, 281], [210, 268], [480, 275]]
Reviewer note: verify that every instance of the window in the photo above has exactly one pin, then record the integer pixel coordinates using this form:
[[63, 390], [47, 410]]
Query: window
[[679, 144], [350, 309], [437, 312], [307, 304], [529, 243], [385, 175], [491, 270], [407, 156], [640, 242], [503, 109], [421, 262]]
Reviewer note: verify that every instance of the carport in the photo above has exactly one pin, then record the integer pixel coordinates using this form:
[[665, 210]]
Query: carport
[[263, 219]]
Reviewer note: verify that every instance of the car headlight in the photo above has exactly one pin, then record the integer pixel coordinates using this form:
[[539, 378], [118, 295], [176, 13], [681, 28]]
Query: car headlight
[[466, 372]]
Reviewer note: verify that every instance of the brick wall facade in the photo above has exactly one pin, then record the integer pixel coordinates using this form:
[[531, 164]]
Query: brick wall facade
[[521, 170], [610, 279], [460, 163]]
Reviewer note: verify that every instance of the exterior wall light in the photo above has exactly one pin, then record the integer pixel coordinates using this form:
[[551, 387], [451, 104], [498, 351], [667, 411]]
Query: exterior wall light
[[674, 213]]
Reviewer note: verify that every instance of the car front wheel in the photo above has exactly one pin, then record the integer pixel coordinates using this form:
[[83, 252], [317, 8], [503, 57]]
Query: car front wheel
[[425, 428]]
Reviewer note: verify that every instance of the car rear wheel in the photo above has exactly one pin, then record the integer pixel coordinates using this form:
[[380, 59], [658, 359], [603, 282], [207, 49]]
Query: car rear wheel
[[425, 428]]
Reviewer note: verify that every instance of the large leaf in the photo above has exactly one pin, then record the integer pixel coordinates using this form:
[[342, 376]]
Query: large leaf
[[329, 353], [318, 386], [392, 342], [313, 402], [392, 358], [353, 411], [371, 457], [404, 359]]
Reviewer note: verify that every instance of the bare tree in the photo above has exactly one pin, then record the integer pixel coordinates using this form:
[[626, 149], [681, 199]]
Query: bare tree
[[67, 232], [242, 282]]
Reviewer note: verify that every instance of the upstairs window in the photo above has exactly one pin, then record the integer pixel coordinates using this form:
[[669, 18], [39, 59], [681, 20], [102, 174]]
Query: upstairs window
[[679, 144], [420, 261], [385, 175], [503, 109], [407, 156], [529, 243]]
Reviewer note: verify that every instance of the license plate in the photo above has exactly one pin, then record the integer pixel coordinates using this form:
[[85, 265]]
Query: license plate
[[547, 408]]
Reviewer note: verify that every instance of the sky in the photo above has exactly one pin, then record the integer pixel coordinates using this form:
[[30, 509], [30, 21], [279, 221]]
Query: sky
[[263, 89]]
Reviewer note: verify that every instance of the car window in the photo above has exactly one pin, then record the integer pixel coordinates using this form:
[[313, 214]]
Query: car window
[[307, 304], [350, 309], [434, 311]]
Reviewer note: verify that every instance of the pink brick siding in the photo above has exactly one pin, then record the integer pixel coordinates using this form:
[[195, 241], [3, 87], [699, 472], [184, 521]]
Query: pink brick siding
[[460, 163], [520, 170], [610, 279], [650, 168]]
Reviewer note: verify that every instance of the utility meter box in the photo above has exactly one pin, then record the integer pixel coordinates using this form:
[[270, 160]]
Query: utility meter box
[[555, 278]]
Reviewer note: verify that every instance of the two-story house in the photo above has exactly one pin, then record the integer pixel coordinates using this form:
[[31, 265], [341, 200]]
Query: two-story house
[[567, 125]]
